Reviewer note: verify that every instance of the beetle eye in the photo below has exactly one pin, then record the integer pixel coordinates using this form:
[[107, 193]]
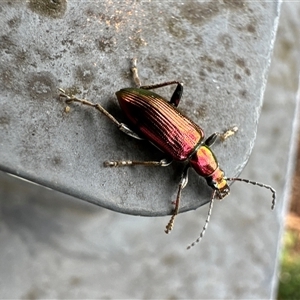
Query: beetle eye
[[221, 187], [223, 192]]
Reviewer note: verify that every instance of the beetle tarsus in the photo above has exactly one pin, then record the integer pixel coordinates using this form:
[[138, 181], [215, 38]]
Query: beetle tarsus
[[170, 225], [222, 135], [117, 163], [183, 182], [135, 73], [228, 133]]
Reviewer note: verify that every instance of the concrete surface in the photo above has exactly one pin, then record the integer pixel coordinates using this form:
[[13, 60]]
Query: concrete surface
[[221, 51], [55, 246]]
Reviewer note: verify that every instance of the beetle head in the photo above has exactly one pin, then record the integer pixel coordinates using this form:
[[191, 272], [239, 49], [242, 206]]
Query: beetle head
[[218, 182], [205, 164]]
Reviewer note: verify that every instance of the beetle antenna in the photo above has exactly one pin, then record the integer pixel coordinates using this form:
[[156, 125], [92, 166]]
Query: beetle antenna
[[205, 225], [259, 184]]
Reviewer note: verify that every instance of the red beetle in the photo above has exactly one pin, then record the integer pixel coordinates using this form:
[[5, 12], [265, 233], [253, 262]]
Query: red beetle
[[158, 121]]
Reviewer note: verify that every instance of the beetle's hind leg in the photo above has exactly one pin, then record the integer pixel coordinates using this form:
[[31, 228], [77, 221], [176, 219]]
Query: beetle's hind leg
[[123, 127], [182, 184], [177, 94]]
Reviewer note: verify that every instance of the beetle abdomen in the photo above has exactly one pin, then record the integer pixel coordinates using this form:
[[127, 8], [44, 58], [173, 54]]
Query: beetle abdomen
[[160, 122]]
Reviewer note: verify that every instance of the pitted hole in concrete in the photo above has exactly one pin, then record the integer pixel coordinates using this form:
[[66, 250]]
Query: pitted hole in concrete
[[243, 93], [237, 76], [220, 63], [242, 64], [175, 28], [72, 90], [48, 8], [211, 64], [7, 44], [247, 72], [14, 22], [199, 13], [56, 160], [67, 42], [226, 40], [106, 44], [114, 20], [21, 57], [80, 50], [34, 292], [42, 86], [138, 41], [85, 74], [5, 119], [160, 65], [202, 74], [251, 28], [7, 79], [234, 4]]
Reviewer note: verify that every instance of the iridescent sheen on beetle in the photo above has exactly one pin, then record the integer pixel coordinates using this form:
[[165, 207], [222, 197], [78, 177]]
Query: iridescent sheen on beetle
[[157, 120]]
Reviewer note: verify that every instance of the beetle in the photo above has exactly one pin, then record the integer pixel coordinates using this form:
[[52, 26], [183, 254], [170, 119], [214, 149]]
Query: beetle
[[157, 120]]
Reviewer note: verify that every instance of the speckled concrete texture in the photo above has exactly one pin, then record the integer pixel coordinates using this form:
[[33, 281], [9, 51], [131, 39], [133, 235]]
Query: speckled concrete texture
[[56, 246], [221, 51]]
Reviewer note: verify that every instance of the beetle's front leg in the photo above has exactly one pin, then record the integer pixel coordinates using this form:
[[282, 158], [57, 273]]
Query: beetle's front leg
[[222, 135], [121, 163], [182, 185], [123, 127]]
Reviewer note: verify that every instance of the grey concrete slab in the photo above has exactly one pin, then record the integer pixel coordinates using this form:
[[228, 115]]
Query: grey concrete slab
[[55, 246], [220, 50]]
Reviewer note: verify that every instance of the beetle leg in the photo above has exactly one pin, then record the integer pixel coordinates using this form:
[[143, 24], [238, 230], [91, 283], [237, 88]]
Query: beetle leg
[[123, 127], [223, 136], [121, 163], [175, 99], [182, 184], [135, 73]]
